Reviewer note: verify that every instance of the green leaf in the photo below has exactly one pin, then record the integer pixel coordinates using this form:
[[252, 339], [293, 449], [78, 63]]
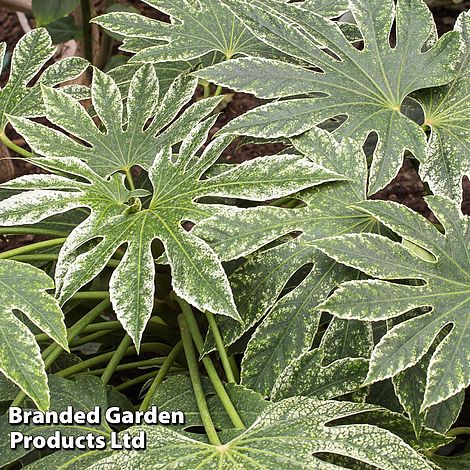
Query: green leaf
[[23, 287], [306, 376], [445, 291], [326, 8], [31, 53], [82, 394], [196, 28], [63, 29], [128, 139], [47, 11], [367, 86], [197, 272], [286, 435], [447, 113], [288, 330]]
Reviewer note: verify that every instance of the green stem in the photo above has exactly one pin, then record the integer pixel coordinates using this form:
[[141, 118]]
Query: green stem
[[236, 372], [210, 369], [102, 358], [86, 28], [458, 431], [130, 179], [95, 327], [160, 376], [91, 295], [31, 231], [206, 88], [12, 146], [196, 382], [221, 348], [218, 91], [116, 359], [136, 381], [112, 263], [89, 338], [127, 366], [34, 246], [52, 352]]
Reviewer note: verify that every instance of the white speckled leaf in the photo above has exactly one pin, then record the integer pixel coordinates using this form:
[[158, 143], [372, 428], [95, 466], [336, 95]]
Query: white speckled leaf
[[367, 86], [326, 8], [307, 376], [83, 394], [445, 290], [328, 212], [23, 288], [32, 51], [130, 136], [290, 326], [197, 272], [196, 28], [286, 436], [447, 112]]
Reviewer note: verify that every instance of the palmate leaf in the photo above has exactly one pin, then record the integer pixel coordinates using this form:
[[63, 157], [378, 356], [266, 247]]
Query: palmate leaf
[[288, 329], [447, 112], [367, 86], [31, 53], [197, 273], [197, 28], [23, 288], [445, 271], [128, 139], [82, 394], [286, 435]]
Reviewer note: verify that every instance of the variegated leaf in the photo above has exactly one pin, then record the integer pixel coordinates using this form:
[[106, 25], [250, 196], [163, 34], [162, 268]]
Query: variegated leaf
[[445, 276], [31, 53], [128, 138], [307, 376], [286, 435], [23, 288], [196, 29], [197, 273], [367, 86], [288, 329], [447, 112]]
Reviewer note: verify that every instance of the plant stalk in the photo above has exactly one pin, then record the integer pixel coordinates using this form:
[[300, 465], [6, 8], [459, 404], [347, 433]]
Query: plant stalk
[[116, 359], [210, 369], [12, 146], [34, 246], [86, 28], [160, 376], [221, 348], [196, 382]]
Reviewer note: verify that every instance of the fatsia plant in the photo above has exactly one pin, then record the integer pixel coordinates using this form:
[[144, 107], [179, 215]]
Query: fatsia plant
[[367, 86], [447, 114], [131, 134], [33, 50], [197, 273], [286, 435], [24, 290], [197, 28], [440, 261], [288, 330]]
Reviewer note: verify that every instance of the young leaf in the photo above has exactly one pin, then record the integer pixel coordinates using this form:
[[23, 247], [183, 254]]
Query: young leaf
[[445, 290], [367, 86], [33, 50], [23, 287], [196, 29], [286, 435], [447, 113], [128, 139], [197, 273]]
